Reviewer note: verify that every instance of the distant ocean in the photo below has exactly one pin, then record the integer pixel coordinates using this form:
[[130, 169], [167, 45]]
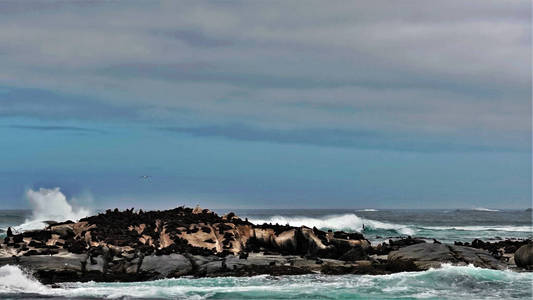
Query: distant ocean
[[449, 282]]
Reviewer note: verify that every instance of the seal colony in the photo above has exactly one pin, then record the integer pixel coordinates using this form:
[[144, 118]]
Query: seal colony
[[136, 246]]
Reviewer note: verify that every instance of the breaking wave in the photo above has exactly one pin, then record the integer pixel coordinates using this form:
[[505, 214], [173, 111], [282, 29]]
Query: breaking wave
[[14, 280], [368, 210], [448, 282], [485, 209], [50, 205], [347, 222], [352, 222]]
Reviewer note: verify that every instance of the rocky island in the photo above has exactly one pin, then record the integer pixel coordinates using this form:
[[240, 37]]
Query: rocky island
[[136, 246]]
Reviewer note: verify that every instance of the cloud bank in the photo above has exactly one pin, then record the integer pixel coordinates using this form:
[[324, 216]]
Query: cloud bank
[[449, 72]]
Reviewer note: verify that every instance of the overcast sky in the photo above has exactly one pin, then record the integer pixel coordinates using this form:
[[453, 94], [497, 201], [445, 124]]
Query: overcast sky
[[234, 104]]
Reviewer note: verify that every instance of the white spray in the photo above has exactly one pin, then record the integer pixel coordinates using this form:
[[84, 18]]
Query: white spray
[[14, 280], [50, 205]]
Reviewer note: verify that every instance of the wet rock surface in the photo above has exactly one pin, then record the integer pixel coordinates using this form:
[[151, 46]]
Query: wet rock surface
[[136, 246], [426, 255], [523, 257], [497, 249]]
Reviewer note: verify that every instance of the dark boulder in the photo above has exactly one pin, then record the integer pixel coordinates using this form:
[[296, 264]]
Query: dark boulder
[[426, 255], [356, 253], [523, 257]]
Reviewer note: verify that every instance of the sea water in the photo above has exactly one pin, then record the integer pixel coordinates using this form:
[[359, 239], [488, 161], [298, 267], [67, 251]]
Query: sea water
[[445, 225], [449, 282]]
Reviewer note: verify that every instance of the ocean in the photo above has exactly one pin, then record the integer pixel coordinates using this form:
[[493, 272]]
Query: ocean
[[449, 282]]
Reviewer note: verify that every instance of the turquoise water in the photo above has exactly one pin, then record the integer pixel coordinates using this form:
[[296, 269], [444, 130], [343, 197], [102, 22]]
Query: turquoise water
[[448, 282]]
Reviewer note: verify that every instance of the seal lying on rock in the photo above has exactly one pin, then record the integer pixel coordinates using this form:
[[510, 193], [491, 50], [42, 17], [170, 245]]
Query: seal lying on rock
[[128, 245], [499, 248], [134, 246]]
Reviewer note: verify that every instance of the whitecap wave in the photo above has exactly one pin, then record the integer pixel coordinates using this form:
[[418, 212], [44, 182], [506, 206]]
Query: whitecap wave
[[50, 205], [14, 280], [348, 222], [352, 222], [368, 210], [485, 209]]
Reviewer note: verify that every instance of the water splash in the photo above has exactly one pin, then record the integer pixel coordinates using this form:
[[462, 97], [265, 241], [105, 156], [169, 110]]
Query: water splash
[[50, 205], [14, 280]]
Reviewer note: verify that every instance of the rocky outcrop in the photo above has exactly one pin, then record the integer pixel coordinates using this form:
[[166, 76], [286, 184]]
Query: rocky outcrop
[[426, 255], [135, 246], [128, 245], [386, 248], [523, 257], [497, 249]]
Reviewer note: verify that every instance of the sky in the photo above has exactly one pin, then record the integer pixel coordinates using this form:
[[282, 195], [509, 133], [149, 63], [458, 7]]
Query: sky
[[267, 104]]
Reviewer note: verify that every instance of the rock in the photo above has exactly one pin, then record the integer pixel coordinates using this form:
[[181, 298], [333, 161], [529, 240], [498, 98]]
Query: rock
[[523, 257], [214, 266], [499, 248], [133, 266], [356, 253], [426, 255], [147, 245], [97, 263], [423, 252], [57, 263], [406, 266], [386, 248], [166, 265], [478, 257], [405, 242], [65, 231], [510, 249]]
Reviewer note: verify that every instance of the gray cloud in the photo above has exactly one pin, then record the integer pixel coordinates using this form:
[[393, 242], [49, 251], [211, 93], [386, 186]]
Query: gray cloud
[[38, 103], [332, 137], [335, 138], [56, 128], [195, 38], [412, 68]]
